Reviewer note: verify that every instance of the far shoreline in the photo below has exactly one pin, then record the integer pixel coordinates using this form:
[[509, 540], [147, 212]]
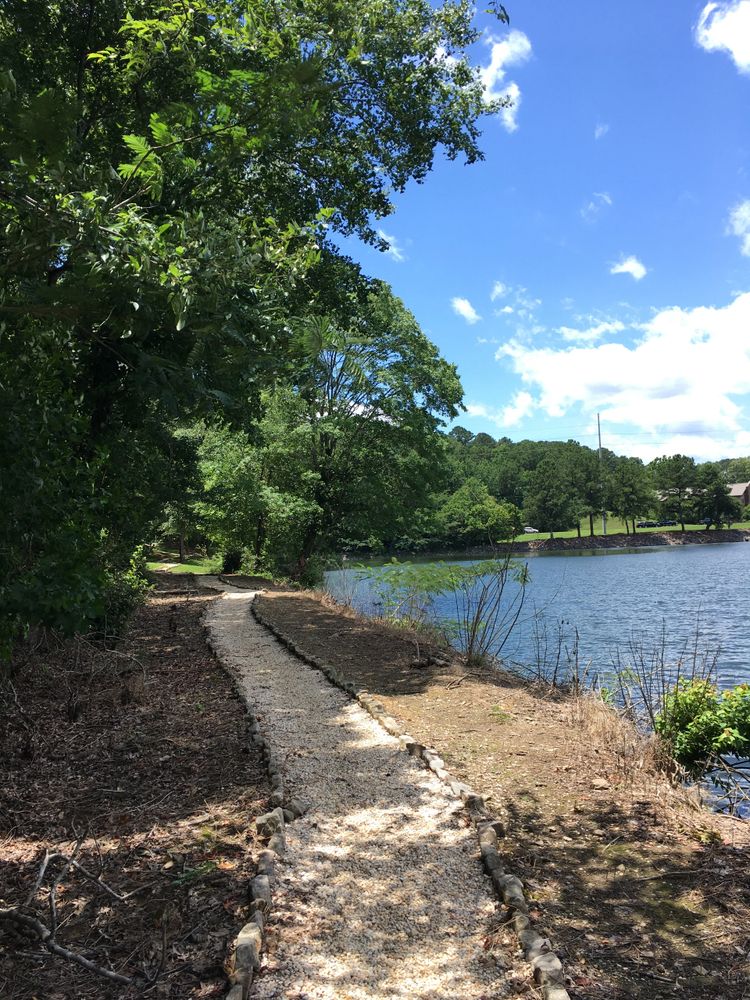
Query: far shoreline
[[619, 540]]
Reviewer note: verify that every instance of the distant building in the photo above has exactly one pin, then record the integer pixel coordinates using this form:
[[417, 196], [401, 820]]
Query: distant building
[[741, 492]]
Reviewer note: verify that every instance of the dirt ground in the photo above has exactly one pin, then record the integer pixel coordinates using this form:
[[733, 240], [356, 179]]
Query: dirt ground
[[643, 893], [136, 763]]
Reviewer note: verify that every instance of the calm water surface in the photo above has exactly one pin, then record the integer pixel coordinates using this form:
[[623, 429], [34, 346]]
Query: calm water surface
[[618, 596]]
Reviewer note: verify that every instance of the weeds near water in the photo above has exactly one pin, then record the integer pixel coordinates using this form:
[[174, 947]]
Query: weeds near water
[[487, 598], [348, 577], [556, 658], [646, 675]]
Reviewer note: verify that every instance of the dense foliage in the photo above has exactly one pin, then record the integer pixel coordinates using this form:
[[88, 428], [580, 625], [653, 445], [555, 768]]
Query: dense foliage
[[700, 723], [168, 177]]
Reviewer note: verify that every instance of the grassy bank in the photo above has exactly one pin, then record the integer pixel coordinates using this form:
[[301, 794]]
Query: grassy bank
[[616, 525], [168, 561]]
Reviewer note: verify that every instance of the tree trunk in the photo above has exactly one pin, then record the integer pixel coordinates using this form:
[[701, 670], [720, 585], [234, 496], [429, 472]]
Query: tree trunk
[[579, 529], [260, 537], [591, 524], [182, 547], [308, 547]]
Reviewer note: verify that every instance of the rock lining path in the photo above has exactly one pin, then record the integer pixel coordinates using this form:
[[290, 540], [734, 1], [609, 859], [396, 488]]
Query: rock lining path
[[381, 895]]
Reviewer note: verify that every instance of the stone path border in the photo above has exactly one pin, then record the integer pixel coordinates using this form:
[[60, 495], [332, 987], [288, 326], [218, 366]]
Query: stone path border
[[548, 970], [246, 949], [244, 958]]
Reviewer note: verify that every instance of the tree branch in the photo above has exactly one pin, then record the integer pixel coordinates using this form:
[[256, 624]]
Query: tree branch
[[14, 916]]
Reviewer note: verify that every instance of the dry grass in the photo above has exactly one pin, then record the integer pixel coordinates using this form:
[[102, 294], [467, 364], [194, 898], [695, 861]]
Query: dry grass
[[637, 886]]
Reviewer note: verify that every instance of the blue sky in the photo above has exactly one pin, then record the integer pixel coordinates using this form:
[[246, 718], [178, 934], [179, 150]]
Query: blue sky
[[598, 260]]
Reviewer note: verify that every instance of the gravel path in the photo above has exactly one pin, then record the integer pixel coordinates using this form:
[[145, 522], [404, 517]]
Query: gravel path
[[381, 894]]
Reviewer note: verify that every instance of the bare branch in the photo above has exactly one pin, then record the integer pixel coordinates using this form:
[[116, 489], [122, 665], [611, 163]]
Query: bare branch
[[14, 916]]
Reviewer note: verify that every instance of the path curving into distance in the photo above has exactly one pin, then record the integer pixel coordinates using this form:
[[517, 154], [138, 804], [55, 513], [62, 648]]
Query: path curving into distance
[[380, 895]]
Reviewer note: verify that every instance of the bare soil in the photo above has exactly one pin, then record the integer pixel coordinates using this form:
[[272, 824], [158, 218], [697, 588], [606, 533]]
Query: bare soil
[[137, 759], [643, 892]]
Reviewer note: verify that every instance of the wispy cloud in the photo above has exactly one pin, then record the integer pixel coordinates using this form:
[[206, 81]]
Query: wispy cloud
[[597, 203], [464, 308], [739, 225], [499, 291], [630, 265], [600, 130], [725, 27], [512, 50], [394, 250], [591, 333], [672, 383]]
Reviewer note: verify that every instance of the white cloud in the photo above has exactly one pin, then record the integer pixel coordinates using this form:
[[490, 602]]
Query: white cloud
[[726, 27], [598, 201], [442, 56], [520, 406], [672, 387], [601, 130], [464, 308], [630, 265], [591, 333], [512, 50], [499, 291], [739, 225], [394, 250], [506, 310]]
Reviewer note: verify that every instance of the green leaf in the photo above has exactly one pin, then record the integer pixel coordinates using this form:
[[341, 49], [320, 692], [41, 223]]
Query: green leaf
[[138, 144]]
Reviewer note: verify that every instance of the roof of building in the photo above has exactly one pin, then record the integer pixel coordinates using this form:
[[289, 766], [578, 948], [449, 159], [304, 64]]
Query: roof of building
[[738, 489]]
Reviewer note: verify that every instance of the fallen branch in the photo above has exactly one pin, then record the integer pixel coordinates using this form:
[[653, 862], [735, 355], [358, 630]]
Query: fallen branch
[[677, 874], [14, 916], [459, 680], [72, 863], [46, 933]]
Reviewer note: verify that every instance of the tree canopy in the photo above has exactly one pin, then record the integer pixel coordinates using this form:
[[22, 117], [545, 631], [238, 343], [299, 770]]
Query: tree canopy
[[170, 178]]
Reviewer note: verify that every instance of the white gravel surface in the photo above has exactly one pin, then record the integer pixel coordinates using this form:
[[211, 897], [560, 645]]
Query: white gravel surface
[[381, 893]]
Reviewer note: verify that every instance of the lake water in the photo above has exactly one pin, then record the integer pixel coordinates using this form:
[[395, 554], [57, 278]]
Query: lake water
[[616, 597]]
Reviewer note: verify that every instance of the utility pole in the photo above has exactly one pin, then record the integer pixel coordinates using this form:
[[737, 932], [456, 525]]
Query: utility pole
[[601, 477]]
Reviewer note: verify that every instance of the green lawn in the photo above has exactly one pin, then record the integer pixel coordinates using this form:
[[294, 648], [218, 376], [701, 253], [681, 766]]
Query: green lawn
[[169, 562], [616, 526]]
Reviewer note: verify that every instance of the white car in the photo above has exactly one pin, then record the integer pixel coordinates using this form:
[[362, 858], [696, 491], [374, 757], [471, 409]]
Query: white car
[[531, 531]]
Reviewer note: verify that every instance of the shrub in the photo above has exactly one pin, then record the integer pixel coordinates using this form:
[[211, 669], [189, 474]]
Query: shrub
[[699, 723]]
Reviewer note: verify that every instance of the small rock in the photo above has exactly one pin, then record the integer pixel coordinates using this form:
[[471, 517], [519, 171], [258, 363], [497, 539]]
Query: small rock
[[247, 947], [270, 822], [600, 784]]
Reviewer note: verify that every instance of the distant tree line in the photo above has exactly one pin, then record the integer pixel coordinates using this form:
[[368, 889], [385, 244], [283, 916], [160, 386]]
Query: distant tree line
[[330, 470], [558, 486]]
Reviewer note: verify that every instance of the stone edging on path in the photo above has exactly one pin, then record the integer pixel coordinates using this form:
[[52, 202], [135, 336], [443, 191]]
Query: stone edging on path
[[244, 958], [548, 970]]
